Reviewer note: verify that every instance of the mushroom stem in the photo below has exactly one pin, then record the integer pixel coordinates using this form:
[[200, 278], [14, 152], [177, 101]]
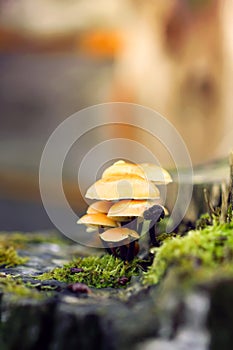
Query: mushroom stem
[[119, 241], [100, 229], [130, 253], [153, 215], [132, 224], [139, 225], [123, 252], [153, 234], [105, 244], [107, 248], [113, 251]]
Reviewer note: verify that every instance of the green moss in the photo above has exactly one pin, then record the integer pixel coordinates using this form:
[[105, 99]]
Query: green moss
[[98, 272], [165, 236], [21, 240], [199, 253], [10, 258], [203, 222], [16, 288]]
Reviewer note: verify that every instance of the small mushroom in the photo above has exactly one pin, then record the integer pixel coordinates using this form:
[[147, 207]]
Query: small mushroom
[[122, 168], [124, 239], [149, 171], [129, 208], [129, 211], [99, 221], [127, 187], [99, 207], [156, 174], [119, 235], [151, 216]]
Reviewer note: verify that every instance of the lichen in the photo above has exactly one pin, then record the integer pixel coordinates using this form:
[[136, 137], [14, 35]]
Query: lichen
[[10, 258], [98, 272], [200, 253]]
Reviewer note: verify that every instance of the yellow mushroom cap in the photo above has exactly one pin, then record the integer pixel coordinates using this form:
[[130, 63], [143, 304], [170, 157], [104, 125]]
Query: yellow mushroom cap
[[151, 172], [129, 208], [118, 234], [119, 187], [156, 174], [99, 207], [97, 220], [122, 168]]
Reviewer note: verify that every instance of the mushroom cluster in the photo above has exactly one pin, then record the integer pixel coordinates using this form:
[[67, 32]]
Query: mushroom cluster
[[127, 206]]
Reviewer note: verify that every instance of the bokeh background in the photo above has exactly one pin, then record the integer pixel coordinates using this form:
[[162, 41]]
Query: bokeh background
[[59, 56]]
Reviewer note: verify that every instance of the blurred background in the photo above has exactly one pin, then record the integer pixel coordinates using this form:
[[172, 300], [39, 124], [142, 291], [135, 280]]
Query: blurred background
[[59, 56]]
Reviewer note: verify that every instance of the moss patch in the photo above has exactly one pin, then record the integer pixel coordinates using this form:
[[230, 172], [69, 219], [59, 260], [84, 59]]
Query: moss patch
[[16, 288], [197, 256], [22, 240], [98, 272], [10, 258]]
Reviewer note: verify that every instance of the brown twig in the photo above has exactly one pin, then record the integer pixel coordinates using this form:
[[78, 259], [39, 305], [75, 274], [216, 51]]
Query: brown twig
[[210, 208], [224, 205], [230, 191]]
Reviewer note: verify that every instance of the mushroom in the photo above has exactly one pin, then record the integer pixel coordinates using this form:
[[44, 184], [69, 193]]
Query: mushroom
[[128, 210], [124, 239], [134, 188], [151, 216], [156, 174], [151, 172], [122, 168], [123, 187], [98, 220], [99, 207]]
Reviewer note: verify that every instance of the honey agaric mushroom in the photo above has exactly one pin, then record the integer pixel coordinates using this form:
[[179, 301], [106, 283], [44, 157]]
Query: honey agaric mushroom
[[128, 210], [151, 172], [134, 188], [122, 168], [124, 239], [99, 207], [99, 221], [119, 234], [127, 187], [156, 174]]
